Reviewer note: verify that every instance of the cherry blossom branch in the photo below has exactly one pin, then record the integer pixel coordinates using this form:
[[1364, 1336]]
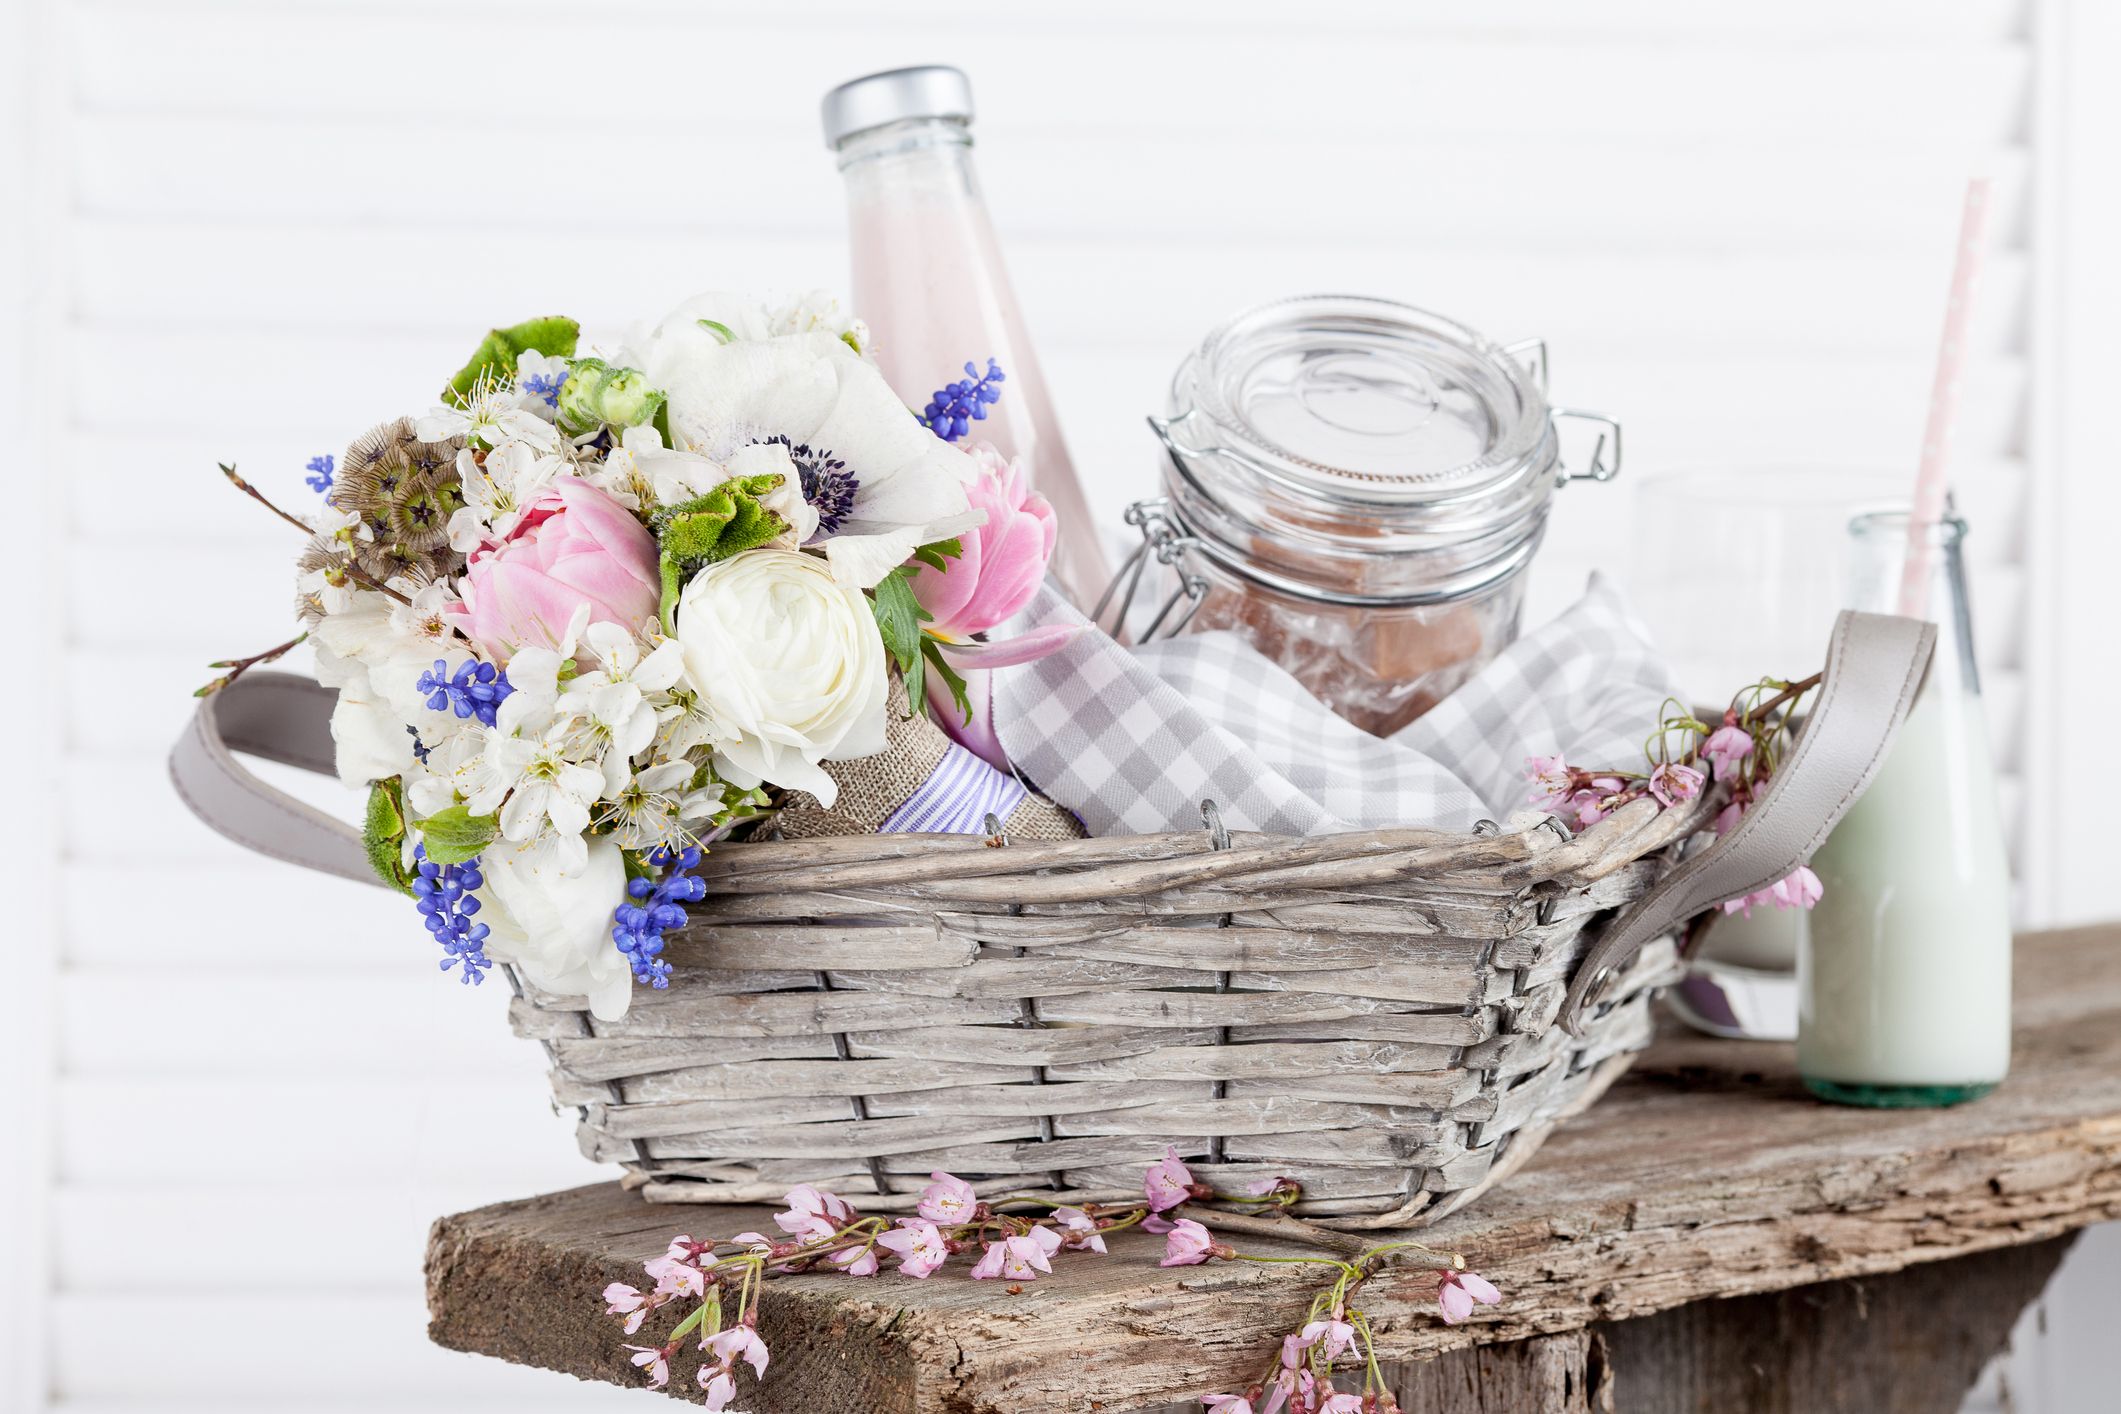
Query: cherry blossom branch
[[352, 571], [237, 667]]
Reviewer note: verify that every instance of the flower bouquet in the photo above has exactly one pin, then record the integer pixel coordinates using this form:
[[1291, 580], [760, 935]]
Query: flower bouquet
[[589, 614]]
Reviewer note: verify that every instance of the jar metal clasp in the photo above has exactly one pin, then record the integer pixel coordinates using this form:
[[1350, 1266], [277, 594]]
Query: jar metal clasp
[[1602, 467], [1165, 542]]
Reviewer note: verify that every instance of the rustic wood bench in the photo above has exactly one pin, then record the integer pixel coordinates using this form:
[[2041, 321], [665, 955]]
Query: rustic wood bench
[[1705, 1237]]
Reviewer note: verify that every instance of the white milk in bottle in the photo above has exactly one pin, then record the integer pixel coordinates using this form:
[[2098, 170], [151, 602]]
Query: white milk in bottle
[[929, 280], [1904, 975]]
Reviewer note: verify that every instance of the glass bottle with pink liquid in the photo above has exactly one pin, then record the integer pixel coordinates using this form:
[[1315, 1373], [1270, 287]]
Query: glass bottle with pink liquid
[[928, 278]]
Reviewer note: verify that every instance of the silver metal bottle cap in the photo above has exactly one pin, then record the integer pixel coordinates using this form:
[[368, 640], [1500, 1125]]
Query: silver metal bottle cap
[[929, 91]]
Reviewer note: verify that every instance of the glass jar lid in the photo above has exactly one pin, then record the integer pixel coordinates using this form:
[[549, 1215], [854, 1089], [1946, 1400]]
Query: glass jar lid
[[1344, 396], [1362, 447]]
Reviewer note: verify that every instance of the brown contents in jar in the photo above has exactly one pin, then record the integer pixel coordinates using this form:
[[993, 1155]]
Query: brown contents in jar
[[1380, 668]]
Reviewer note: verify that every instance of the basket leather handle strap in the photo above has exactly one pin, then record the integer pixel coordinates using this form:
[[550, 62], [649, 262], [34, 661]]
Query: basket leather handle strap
[[283, 718], [1874, 668]]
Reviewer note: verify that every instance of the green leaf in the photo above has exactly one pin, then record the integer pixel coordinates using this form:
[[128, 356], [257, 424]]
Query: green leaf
[[722, 331], [598, 395], [553, 336], [383, 834], [932, 650], [454, 835], [938, 555], [726, 521], [898, 618]]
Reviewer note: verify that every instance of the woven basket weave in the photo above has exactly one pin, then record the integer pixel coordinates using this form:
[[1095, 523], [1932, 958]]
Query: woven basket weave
[[1374, 1013], [1395, 1018]]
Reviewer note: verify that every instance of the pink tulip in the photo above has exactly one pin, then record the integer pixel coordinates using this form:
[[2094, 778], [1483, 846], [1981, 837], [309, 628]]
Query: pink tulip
[[574, 546], [1003, 560]]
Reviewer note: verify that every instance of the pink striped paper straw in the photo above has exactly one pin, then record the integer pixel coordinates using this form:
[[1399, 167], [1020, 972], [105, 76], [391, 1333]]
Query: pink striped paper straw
[[1944, 403]]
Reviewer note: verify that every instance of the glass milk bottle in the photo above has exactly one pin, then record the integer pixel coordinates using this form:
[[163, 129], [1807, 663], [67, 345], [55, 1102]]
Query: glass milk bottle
[[929, 280], [1904, 974]]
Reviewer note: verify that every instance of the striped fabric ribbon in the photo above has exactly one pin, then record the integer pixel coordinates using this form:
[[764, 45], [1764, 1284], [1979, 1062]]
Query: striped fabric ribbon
[[957, 798]]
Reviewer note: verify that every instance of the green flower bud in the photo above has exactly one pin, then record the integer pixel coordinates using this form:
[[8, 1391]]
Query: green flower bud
[[598, 395]]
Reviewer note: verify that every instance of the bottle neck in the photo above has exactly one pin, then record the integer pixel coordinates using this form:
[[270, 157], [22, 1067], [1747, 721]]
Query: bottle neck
[[928, 154], [1878, 549]]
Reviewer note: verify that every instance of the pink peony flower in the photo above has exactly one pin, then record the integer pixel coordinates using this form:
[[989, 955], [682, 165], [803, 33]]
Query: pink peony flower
[[1168, 1182], [574, 546], [655, 1361], [1003, 561], [1457, 1291], [1079, 1229], [1672, 783], [1190, 1244], [947, 1200], [1337, 1334], [990, 1262], [1728, 745], [919, 1244], [739, 1343]]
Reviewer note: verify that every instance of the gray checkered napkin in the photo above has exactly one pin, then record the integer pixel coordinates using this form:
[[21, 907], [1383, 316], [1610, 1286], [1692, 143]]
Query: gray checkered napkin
[[1133, 739]]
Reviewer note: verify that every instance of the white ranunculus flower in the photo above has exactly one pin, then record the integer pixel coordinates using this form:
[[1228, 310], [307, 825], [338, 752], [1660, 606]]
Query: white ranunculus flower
[[731, 383], [788, 663], [555, 922]]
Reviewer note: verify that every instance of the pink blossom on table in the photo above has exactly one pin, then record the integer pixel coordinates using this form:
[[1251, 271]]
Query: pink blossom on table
[[949, 1199], [1025, 1255], [1156, 1223], [857, 1262], [1673, 783], [1079, 1229], [675, 1277], [720, 1386], [1168, 1182], [1728, 745], [655, 1360], [920, 1246], [990, 1262], [1457, 1291], [1190, 1244], [1227, 1403], [1336, 1335], [574, 546], [739, 1343], [623, 1300], [813, 1214]]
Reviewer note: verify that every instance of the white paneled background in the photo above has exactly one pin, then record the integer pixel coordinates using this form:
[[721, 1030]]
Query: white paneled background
[[247, 230]]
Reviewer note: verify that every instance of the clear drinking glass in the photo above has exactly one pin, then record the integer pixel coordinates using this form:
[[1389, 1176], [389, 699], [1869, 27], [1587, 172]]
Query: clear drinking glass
[[929, 280], [1904, 974]]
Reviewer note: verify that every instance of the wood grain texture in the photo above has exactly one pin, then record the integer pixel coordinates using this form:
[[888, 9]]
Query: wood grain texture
[[1705, 1173]]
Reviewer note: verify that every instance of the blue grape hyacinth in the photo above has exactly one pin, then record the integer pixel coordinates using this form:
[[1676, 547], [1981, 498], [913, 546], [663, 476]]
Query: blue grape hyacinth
[[639, 926], [446, 895], [956, 406], [476, 689]]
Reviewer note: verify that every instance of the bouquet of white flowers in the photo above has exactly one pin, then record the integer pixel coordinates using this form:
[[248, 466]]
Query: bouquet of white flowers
[[584, 614]]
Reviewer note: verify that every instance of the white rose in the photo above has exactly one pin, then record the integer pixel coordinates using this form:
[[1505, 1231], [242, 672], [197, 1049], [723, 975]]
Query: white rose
[[789, 665], [555, 922]]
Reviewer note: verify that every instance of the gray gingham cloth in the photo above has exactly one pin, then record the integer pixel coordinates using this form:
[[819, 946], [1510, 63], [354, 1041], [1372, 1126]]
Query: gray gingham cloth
[[1133, 739]]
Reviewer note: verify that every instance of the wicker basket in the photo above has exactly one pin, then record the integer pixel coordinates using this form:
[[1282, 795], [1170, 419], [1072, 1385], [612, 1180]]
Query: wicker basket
[[1396, 1018], [1375, 1012]]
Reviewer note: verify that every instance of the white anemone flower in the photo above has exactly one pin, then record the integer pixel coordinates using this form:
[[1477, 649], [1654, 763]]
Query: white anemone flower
[[731, 385], [552, 918]]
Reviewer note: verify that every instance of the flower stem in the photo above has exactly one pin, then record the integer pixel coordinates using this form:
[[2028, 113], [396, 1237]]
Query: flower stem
[[237, 667], [353, 571]]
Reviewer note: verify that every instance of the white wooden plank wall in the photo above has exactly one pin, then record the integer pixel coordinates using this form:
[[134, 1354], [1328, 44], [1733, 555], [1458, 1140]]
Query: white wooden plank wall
[[266, 225]]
